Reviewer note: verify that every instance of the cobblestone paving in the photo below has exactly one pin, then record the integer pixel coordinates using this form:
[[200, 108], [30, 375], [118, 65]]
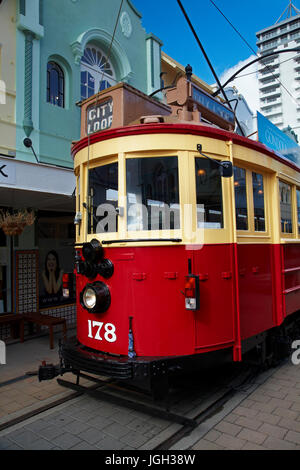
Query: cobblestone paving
[[266, 419], [85, 423], [264, 414], [25, 395]]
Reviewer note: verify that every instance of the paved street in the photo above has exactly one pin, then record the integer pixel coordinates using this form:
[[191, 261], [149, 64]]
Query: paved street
[[268, 418], [263, 414]]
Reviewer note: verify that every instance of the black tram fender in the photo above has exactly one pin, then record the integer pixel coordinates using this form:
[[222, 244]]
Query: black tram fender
[[75, 357]]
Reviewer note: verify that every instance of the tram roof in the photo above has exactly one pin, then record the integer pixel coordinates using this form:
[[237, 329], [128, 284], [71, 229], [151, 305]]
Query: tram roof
[[184, 128]]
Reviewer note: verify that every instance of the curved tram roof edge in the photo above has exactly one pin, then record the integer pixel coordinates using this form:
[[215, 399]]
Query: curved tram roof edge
[[192, 129]]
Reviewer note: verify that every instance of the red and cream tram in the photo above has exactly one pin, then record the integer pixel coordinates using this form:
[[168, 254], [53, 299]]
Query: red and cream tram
[[188, 237]]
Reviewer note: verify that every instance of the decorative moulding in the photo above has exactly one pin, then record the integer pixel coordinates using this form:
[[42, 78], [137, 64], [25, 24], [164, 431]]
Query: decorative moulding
[[126, 25], [103, 38]]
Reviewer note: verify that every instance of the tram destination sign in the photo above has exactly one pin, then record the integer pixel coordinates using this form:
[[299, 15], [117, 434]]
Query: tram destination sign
[[213, 106], [99, 116]]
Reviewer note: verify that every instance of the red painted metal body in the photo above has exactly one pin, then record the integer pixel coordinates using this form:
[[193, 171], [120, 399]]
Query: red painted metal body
[[148, 285], [290, 270], [245, 288]]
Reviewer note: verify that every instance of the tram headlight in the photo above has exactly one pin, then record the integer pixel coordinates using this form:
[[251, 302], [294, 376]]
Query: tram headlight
[[95, 298], [89, 298]]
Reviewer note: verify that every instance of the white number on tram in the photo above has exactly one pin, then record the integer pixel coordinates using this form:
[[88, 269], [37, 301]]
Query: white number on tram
[[97, 329]]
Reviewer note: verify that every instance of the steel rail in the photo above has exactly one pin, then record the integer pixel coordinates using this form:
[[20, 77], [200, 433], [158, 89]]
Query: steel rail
[[134, 405]]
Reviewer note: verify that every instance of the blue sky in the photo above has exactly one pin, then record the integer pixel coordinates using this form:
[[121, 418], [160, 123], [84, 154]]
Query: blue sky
[[222, 44]]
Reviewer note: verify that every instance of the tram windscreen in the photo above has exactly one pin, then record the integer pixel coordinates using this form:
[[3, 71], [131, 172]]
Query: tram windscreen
[[103, 199], [209, 194], [152, 193]]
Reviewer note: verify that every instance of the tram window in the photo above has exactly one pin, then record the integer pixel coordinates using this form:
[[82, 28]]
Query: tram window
[[298, 209], [103, 199], [209, 194], [152, 193], [258, 202], [286, 207], [240, 190]]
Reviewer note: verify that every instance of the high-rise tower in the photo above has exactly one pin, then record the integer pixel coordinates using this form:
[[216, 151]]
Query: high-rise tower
[[279, 74]]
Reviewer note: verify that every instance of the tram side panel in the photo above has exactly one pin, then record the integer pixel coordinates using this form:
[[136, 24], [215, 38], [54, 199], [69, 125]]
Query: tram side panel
[[290, 277], [214, 321], [148, 286], [256, 289]]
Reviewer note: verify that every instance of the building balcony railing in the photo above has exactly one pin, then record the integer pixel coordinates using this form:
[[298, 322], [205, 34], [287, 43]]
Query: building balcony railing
[[271, 85], [268, 76], [277, 123], [271, 94], [270, 110], [266, 68], [270, 101]]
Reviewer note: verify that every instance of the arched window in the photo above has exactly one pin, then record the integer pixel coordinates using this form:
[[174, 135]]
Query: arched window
[[97, 72], [55, 84]]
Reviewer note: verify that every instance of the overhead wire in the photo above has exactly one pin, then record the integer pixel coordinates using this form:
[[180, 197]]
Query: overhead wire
[[251, 48], [207, 60], [255, 72]]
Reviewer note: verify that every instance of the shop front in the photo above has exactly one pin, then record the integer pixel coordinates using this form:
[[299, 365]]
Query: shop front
[[36, 264]]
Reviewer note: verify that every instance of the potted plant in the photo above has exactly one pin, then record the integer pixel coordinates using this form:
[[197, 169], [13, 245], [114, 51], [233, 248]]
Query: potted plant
[[14, 223]]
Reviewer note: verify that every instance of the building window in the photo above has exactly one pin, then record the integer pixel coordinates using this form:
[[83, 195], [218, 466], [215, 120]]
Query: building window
[[286, 207], [41, 12], [269, 35], [87, 85], [97, 72], [55, 85], [269, 45], [22, 7]]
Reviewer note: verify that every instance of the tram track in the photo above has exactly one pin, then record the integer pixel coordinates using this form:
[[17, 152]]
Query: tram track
[[212, 408], [112, 392], [32, 413]]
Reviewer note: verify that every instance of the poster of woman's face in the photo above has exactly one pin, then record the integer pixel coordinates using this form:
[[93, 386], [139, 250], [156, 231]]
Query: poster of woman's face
[[52, 264]]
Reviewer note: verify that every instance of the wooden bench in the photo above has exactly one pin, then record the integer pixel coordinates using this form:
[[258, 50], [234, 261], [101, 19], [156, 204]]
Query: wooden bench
[[15, 321], [46, 320]]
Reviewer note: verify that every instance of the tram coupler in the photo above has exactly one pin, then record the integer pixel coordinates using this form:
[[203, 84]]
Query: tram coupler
[[50, 371]]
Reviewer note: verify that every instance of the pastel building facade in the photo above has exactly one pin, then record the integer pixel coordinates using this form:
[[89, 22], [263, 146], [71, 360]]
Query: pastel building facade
[[54, 54]]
